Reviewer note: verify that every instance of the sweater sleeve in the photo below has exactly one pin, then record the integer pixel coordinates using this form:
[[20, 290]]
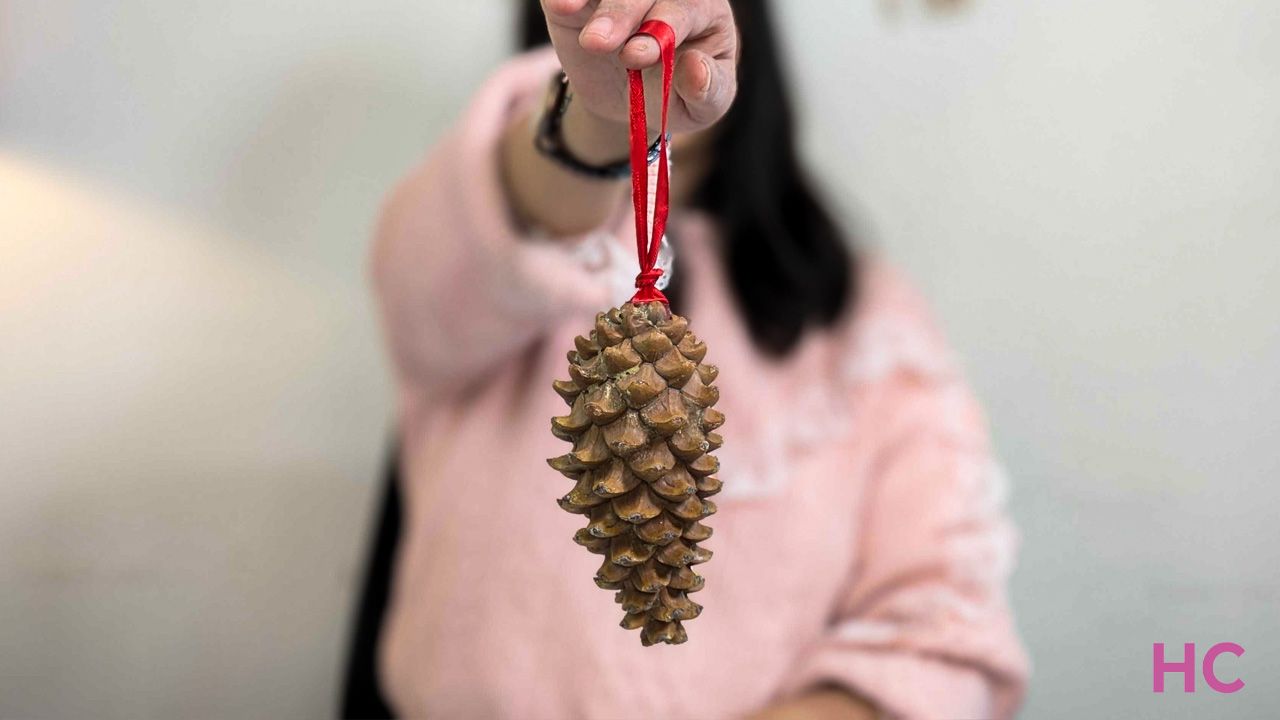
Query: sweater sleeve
[[924, 629], [459, 285]]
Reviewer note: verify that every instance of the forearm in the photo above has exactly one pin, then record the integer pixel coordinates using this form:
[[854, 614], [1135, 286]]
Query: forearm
[[822, 704], [546, 195]]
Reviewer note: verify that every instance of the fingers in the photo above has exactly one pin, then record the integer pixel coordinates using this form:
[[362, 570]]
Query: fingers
[[705, 85], [687, 20], [705, 79], [612, 23], [643, 51], [693, 76]]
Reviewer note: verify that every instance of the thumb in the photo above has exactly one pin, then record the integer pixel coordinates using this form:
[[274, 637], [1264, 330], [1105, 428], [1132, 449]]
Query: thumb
[[706, 86]]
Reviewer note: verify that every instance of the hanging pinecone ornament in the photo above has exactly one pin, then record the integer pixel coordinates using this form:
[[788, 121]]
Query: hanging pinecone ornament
[[642, 423]]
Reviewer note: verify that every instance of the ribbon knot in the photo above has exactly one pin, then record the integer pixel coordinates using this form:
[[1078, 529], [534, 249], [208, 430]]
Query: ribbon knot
[[648, 278], [647, 245], [647, 284]]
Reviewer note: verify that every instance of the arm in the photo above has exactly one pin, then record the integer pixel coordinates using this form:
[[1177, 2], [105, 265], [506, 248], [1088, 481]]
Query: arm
[[538, 186], [595, 43], [820, 704], [923, 629], [459, 284]]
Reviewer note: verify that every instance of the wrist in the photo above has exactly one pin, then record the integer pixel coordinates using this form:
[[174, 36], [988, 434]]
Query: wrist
[[595, 137], [592, 138]]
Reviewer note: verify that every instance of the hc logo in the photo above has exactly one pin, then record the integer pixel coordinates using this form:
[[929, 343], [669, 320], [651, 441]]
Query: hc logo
[[1160, 667]]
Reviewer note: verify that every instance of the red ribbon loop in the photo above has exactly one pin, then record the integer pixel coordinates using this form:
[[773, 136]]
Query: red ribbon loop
[[647, 247]]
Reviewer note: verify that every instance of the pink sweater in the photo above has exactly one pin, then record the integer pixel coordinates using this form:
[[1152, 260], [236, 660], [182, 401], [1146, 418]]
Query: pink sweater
[[860, 539]]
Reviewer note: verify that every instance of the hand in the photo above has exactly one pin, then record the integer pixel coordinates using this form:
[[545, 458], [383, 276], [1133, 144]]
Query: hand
[[593, 39], [820, 704]]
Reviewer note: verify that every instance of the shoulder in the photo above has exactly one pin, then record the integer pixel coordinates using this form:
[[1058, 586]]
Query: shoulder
[[893, 360], [515, 85], [523, 73], [891, 332]]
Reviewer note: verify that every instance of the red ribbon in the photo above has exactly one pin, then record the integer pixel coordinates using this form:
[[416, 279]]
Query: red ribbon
[[647, 247]]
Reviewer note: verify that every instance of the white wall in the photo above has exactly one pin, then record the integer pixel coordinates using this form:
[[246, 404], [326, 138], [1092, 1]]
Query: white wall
[[193, 401]]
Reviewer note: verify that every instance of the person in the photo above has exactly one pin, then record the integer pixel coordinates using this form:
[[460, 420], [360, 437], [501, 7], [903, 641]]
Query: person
[[861, 549]]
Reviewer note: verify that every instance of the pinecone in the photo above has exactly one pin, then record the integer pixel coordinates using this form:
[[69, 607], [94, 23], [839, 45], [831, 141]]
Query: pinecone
[[641, 426]]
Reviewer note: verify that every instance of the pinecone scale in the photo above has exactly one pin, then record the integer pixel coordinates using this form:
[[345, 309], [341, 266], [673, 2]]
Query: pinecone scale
[[642, 424]]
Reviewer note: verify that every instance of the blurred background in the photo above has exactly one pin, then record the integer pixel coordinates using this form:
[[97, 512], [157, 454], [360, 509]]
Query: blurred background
[[194, 402]]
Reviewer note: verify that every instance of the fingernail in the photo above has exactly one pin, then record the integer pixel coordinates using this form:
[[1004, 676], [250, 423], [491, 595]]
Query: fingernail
[[706, 83], [600, 26]]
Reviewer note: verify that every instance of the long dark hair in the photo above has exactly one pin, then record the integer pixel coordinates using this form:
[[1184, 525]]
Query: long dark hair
[[785, 257]]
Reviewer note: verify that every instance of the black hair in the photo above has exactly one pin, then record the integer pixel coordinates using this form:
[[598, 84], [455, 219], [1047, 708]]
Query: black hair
[[785, 258]]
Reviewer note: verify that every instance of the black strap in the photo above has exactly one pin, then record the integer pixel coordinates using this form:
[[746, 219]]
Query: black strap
[[550, 138]]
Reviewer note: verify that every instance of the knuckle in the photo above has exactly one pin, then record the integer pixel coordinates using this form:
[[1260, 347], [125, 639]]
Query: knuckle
[[677, 16], [620, 7]]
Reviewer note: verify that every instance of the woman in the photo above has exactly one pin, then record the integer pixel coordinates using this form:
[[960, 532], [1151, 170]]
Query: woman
[[860, 550]]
